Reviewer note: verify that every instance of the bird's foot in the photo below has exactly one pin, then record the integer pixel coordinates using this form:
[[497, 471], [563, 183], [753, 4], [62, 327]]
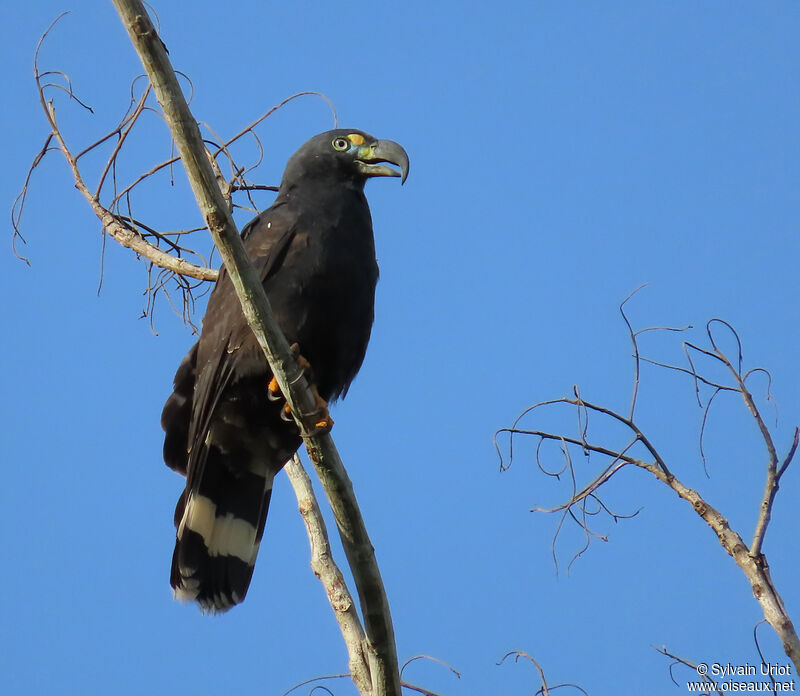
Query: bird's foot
[[273, 388], [319, 420]]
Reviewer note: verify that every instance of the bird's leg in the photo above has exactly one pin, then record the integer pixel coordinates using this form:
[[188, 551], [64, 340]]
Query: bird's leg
[[273, 389], [319, 420]]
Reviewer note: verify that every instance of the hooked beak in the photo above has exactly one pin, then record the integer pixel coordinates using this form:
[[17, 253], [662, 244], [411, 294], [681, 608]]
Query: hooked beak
[[371, 158]]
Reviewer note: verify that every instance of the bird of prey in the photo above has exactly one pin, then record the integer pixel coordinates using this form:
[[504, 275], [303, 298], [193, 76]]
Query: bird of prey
[[224, 430]]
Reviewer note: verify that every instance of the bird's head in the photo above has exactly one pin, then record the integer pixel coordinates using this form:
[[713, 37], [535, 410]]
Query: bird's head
[[346, 154]]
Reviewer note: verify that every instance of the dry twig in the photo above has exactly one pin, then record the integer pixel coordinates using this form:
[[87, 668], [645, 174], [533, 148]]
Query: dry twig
[[544, 689], [172, 265], [686, 663], [638, 451]]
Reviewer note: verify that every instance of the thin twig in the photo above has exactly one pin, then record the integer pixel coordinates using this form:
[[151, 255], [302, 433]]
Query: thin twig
[[544, 689], [687, 663], [770, 491], [112, 225], [636, 363]]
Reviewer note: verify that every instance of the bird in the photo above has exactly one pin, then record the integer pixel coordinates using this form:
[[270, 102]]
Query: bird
[[225, 431]]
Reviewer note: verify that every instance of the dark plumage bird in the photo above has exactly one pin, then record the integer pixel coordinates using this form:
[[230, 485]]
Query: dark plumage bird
[[315, 253]]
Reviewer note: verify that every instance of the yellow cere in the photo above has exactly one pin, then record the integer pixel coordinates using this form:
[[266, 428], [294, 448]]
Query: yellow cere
[[356, 138]]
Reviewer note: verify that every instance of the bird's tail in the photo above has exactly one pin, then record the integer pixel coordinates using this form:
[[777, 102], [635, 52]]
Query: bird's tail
[[227, 437], [219, 525]]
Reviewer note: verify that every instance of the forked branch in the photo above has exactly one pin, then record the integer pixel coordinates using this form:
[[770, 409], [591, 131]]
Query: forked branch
[[544, 689], [701, 673], [639, 452], [172, 265]]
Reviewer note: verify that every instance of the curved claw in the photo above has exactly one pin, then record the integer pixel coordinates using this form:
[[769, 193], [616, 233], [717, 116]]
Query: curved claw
[[274, 391], [317, 421], [286, 414], [321, 418]]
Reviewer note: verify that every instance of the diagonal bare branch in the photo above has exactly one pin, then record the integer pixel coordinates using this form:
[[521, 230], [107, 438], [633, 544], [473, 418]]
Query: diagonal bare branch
[[325, 568], [384, 670]]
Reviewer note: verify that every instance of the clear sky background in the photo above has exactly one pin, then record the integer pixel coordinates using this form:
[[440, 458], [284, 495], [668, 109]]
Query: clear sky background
[[562, 154]]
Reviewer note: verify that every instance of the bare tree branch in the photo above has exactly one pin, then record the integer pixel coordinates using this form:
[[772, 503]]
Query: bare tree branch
[[544, 689], [125, 235], [114, 206], [752, 562], [770, 491], [306, 682], [420, 689], [330, 576], [384, 671], [686, 663]]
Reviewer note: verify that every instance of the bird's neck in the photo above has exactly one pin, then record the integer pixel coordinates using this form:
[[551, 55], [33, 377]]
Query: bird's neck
[[322, 191]]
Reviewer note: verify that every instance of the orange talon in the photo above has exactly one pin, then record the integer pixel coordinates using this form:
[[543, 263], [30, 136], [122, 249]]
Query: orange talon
[[324, 425], [322, 421]]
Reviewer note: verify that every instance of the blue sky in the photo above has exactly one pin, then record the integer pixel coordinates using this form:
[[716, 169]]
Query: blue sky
[[562, 154]]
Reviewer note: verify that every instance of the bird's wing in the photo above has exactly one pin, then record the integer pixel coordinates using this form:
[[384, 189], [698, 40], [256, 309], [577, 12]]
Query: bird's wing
[[235, 438]]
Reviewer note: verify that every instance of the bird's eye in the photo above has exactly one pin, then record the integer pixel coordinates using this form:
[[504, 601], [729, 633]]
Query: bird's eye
[[340, 144]]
